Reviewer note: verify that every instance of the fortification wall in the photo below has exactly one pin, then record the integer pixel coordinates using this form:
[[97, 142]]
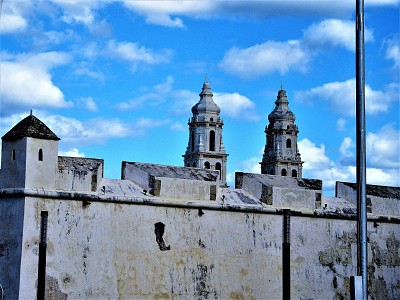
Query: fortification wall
[[141, 248]]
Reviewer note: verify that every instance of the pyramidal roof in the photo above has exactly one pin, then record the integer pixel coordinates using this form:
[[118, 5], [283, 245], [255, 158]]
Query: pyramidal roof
[[30, 127]]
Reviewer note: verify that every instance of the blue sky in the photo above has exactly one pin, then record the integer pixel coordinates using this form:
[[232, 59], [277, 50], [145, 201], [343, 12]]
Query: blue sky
[[117, 79]]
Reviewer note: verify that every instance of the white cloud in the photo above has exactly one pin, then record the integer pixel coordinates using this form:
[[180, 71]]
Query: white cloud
[[12, 23], [168, 13], [74, 152], [79, 11], [282, 57], [341, 124], [92, 131], [27, 83], [236, 106], [266, 58], [383, 159], [252, 165], [134, 53], [88, 103], [233, 105], [154, 97], [393, 52], [341, 96], [14, 16], [160, 12], [334, 32], [383, 148]]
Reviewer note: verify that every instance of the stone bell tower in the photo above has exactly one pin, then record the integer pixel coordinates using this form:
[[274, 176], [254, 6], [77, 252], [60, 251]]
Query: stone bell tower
[[206, 148], [281, 154]]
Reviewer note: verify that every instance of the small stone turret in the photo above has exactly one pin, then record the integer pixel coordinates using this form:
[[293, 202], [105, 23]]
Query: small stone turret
[[205, 147], [29, 155], [281, 154]]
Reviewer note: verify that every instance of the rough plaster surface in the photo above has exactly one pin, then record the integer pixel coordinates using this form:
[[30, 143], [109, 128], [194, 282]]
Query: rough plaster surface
[[78, 173], [128, 250], [381, 200]]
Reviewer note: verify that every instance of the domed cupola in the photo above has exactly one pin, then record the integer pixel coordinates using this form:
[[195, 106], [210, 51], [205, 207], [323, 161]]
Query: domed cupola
[[281, 111], [206, 103], [281, 154]]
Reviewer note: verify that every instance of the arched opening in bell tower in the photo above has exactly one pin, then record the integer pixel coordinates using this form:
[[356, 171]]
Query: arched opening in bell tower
[[212, 140], [288, 143], [294, 173], [283, 172], [218, 167], [192, 140]]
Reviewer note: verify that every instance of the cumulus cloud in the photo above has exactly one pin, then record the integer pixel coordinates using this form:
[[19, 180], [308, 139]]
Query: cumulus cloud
[[73, 152], [334, 32], [383, 147], [236, 106], [170, 13], [27, 82], [12, 23], [232, 105], [341, 96], [154, 97], [393, 52], [92, 131], [281, 57], [266, 58], [88, 103], [79, 11], [162, 12], [13, 17], [135, 54]]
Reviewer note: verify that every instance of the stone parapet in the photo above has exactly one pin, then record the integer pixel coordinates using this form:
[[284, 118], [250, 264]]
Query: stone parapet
[[280, 191], [173, 182], [381, 200]]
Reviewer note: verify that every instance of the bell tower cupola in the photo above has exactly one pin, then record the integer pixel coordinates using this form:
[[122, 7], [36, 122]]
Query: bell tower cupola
[[205, 147], [281, 154]]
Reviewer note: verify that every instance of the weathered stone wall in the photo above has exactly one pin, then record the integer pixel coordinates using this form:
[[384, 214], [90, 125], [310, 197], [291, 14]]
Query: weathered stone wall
[[381, 200], [162, 250], [79, 173], [13, 171], [173, 182], [281, 191], [11, 236]]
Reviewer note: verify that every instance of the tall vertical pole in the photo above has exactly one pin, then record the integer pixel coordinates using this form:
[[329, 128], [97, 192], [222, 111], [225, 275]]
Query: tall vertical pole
[[362, 261]]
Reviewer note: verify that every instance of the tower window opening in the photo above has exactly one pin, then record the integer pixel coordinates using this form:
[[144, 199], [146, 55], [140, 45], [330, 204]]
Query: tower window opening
[[218, 167], [294, 173], [13, 154], [211, 120], [207, 165], [40, 155], [288, 143], [212, 140], [192, 141], [194, 165], [283, 172]]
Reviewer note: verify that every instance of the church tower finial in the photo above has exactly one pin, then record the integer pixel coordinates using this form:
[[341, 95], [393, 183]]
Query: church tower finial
[[206, 148], [281, 154]]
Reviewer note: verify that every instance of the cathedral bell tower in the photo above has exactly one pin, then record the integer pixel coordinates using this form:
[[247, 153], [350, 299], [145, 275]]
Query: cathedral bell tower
[[206, 148], [281, 154]]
